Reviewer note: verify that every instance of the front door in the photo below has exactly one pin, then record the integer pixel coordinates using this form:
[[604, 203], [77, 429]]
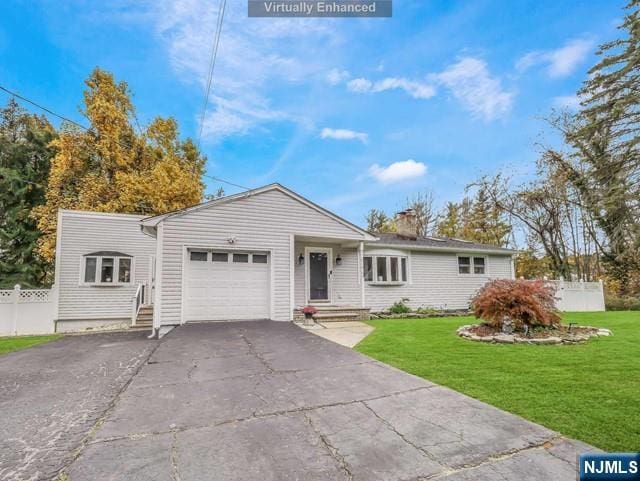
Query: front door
[[319, 274]]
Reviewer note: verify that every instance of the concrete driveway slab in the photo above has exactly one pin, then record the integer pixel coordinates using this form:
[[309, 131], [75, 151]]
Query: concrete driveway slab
[[476, 432], [52, 395], [258, 400], [263, 449], [145, 459], [370, 447]]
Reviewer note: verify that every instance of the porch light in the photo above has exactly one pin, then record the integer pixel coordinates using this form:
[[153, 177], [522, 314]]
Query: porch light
[[301, 260], [339, 260]]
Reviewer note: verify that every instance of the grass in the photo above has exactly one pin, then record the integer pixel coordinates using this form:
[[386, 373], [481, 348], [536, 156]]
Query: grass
[[589, 392], [11, 344]]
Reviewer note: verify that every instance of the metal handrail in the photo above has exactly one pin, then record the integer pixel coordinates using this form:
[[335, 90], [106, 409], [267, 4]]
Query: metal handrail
[[138, 301]]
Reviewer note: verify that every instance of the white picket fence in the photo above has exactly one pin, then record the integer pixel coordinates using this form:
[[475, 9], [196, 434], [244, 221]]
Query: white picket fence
[[580, 296], [27, 311]]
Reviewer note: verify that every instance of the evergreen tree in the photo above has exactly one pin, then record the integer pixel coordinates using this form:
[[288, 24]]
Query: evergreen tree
[[378, 222], [25, 154], [450, 220], [604, 164]]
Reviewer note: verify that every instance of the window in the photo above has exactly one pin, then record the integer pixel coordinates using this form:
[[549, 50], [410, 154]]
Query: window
[[403, 269], [259, 258], [368, 269], [106, 270], [124, 271], [112, 268], [241, 258], [219, 257], [90, 264], [464, 265], [394, 269], [198, 256], [381, 269], [475, 265], [385, 269]]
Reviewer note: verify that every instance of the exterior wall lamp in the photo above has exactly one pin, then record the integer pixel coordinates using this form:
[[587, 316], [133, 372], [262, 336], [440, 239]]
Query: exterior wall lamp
[[301, 259], [339, 260]]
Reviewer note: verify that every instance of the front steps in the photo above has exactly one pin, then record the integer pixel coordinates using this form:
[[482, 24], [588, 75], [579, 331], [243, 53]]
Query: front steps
[[145, 318], [335, 313]]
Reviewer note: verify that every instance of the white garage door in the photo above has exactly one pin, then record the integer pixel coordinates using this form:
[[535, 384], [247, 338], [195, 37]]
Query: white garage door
[[227, 286]]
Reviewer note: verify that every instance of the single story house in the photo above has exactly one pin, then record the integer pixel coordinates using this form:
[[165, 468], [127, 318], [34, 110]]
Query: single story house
[[260, 254]]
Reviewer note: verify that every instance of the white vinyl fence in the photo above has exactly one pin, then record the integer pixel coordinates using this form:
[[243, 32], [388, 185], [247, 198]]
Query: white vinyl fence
[[580, 296], [27, 311]]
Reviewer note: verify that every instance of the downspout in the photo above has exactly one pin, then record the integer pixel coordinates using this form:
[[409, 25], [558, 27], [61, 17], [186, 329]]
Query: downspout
[[148, 231], [361, 274]]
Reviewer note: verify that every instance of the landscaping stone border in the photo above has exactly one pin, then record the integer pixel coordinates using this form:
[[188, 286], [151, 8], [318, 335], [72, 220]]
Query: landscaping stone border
[[419, 315], [465, 332]]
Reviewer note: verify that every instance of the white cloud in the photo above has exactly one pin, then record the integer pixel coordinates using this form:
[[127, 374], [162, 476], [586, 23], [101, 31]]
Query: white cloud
[[417, 90], [398, 171], [336, 76], [471, 83], [344, 134], [253, 59], [559, 62], [570, 102]]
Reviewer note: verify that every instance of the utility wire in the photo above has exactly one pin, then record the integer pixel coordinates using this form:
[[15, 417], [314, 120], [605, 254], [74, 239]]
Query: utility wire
[[41, 107], [218, 179], [212, 64], [87, 129]]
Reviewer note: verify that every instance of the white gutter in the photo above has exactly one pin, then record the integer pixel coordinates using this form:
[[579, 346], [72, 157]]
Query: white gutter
[[504, 252]]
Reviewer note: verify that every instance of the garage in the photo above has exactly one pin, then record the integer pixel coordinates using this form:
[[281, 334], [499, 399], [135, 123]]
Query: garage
[[224, 286]]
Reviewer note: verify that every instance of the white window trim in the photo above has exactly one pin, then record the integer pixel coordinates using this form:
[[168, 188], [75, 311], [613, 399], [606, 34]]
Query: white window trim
[[116, 271], [472, 265], [388, 282]]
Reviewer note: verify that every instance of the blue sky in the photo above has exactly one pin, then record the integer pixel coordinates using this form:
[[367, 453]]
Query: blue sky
[[352, 113]]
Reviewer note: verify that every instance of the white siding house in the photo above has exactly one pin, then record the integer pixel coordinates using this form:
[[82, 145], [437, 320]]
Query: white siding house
[[87, 302], [260, 254]]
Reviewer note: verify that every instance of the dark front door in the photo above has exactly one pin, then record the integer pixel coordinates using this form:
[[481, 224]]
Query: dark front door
[[318, 276]]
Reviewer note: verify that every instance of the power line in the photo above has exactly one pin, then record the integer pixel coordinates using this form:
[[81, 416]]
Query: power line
[[226, 182], [212, 64], [41, 107], [87, 129]]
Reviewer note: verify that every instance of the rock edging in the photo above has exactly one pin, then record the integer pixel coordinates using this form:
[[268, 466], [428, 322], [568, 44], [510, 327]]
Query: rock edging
[[465, 332]]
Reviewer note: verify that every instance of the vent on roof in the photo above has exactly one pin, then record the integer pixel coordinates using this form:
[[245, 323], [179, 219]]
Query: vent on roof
[[437, 239], [462, 240]]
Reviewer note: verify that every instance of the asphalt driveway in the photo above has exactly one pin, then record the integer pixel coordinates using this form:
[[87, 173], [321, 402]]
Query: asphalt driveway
[[269, 401]]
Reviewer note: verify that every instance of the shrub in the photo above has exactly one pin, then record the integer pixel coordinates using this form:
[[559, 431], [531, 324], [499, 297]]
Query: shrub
[[622, 303], [524, 302], [428, 311], [400, 307]]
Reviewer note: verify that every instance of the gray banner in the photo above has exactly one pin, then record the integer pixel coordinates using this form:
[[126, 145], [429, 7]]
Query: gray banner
[[320, 8]]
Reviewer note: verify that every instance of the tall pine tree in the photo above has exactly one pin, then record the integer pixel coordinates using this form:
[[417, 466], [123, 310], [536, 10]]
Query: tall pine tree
[[604, 164], [25, 154]]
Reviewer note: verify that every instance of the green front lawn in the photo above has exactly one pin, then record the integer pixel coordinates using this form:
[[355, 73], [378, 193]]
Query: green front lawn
[[589, 392], [10, 344]]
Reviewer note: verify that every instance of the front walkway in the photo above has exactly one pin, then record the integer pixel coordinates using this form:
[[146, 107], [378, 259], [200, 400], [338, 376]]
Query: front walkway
[[269, 401], [345, 333]]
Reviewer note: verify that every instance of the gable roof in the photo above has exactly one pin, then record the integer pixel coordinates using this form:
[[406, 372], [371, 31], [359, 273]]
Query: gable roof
[[155, 220], [437, 244]]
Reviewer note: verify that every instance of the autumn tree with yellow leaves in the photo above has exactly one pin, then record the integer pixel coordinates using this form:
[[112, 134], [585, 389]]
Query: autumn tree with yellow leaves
[[113, 167]]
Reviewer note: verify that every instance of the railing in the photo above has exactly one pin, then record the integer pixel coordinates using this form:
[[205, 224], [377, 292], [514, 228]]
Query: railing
[[138, 302]]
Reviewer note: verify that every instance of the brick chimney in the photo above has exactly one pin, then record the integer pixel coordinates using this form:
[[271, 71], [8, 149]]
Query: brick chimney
[[406, 224]]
